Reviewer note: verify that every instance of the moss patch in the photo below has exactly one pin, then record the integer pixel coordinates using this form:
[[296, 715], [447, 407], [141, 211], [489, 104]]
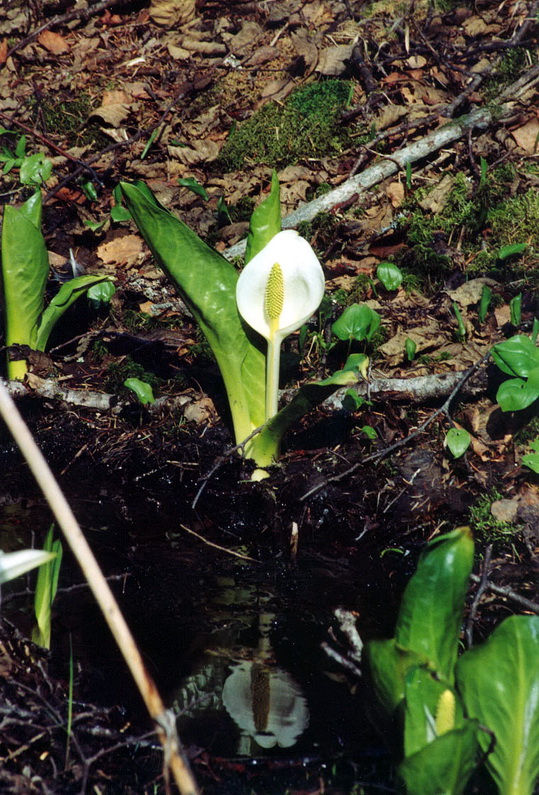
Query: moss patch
[[306, 125]]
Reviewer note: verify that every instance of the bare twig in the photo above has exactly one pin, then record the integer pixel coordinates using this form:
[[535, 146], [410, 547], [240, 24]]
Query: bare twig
[[508, 593], [483, 584], [218, 546]]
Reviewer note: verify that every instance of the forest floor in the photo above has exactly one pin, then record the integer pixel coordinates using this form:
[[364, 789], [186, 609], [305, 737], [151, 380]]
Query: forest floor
[[202, 103]]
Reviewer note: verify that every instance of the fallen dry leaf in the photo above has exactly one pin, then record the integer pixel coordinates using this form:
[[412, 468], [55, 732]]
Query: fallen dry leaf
[[171, 13], [121, 250], [527, 136], [53, 42], [334, 60], [199, 152], [470, 292], [395, 193]]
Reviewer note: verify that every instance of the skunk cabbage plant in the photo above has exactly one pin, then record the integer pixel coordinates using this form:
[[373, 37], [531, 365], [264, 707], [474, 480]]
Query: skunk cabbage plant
[[25, 270], [281, 286]]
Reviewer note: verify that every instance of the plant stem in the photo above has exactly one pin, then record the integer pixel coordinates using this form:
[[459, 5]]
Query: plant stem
[[272, 376]]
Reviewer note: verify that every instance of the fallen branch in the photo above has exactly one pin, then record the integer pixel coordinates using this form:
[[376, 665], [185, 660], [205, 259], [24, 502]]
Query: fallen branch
[[414, 390], [453, 131]]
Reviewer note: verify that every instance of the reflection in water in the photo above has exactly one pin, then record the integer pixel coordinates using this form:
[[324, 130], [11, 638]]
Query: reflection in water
[[267, 705], [263, 700]]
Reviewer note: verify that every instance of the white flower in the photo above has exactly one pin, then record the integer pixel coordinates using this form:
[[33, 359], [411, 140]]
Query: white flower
[[13, 564], [277, 292]]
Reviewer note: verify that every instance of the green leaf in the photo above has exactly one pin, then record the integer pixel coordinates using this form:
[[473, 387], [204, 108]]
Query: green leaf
[[119, 213], [194, 186], [410, 348], [46, 587], [389, 666], [357, 322], [101, 293], [484, 303], [517, 394], [430, 614], [390, 275], [444, 766], [35, 169], [25, 268], [89, 190], [516, 356], [369, 432], [265, 221], [66, 295], [515, 308], [511, 250], [499, 683], [142, 390], [207, 283], [531, 460], [352, 401], [457, 440]]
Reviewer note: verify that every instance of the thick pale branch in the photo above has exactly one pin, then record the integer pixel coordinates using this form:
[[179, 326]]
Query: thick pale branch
[[443, 136]]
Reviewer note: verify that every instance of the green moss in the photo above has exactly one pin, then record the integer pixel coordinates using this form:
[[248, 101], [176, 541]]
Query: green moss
[[509, 69], [70, 118], [305, 125], [483, 523], [118, 372]]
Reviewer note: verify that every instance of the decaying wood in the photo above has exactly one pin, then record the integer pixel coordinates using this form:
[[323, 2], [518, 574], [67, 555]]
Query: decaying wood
[[479, 119], [414, 390]]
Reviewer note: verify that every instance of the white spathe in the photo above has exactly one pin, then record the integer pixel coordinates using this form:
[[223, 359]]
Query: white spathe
[[13, 564], [277, 292], [303, 283]]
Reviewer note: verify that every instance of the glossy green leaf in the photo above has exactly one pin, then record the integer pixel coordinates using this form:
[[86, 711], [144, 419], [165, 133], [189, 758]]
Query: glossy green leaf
[[430, 614], [444, 766], [517, 356], [46, 587], [515, 308], [390, 275], [119, 213], [194, 186], [517, 394], [142, 390], [410, 348], [66, 295], [499, 683], [207, 283], [25, 268], [388, 667], [357, 322], [484, 303], [457, 441], [101, 293], [265, 221], [531, 460], [35, 169], [511, 249]]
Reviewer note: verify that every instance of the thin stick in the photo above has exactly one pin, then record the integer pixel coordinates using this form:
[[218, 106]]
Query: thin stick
[[165, 725]]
